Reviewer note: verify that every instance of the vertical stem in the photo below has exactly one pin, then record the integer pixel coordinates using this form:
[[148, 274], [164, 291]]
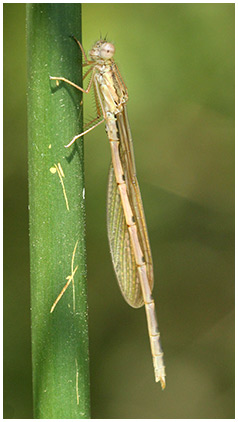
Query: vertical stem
[[57, 214]]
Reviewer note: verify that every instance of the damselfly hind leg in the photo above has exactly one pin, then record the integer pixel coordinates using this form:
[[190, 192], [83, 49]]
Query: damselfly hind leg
[[83, 133]]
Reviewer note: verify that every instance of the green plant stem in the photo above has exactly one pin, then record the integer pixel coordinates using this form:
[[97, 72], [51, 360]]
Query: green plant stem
[[57, 214]]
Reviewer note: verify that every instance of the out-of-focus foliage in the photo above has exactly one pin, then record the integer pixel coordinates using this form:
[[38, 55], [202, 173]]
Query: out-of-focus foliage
[[178, 63]]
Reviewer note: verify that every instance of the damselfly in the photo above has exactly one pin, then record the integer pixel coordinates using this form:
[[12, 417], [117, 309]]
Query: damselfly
[[127, 233]]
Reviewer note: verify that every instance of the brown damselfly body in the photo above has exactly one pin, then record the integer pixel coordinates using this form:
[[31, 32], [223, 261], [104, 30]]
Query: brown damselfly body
[[127, 232]]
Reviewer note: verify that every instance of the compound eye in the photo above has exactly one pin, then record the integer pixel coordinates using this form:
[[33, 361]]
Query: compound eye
[[107, 50]]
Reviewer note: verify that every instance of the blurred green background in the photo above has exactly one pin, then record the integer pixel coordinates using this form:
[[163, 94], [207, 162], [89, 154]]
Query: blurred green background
[[178, 63]]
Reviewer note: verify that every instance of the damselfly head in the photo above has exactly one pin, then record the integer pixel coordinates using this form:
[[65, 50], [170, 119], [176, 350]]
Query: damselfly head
[[102, 50]]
